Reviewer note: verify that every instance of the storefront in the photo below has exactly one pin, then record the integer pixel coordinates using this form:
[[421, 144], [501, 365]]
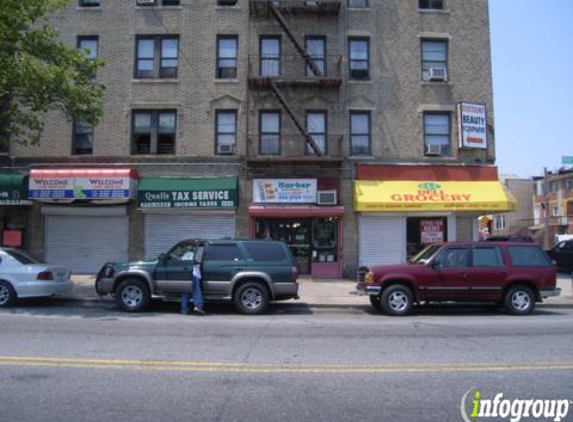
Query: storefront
[[288, 210], [178, 208], [14, 209], [403, 208], [85, 211]]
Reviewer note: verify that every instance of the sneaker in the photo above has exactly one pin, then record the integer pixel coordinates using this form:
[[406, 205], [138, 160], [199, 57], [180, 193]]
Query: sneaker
[[199, 311]]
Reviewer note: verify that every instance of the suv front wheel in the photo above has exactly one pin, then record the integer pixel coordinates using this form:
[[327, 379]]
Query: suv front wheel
[[132, 295], [397, 300], [251, 298], [519, 300]]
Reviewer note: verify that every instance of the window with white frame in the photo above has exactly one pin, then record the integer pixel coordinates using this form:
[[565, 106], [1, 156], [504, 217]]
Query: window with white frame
[[437, 133], [434, 60]]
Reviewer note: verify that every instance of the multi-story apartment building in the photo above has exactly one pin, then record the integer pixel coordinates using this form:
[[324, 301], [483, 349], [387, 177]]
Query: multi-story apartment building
[[354, 130], [515, 222], [553, 204]]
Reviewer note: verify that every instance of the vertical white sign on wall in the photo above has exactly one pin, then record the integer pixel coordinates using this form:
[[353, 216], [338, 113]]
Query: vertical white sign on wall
[[472, 125]]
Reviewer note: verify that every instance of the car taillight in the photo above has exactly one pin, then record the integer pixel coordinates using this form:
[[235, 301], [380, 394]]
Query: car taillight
[[45, 275], [369, 277], [293, 273]]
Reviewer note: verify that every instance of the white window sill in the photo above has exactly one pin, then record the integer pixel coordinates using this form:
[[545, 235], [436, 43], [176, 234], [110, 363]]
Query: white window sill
[[435, 11], [360, 81], [359, 9], [433, 83], [158, 6], [155, 80], [224, 81]]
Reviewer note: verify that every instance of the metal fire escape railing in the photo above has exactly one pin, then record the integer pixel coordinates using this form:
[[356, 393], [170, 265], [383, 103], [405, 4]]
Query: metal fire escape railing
[[273, 7]]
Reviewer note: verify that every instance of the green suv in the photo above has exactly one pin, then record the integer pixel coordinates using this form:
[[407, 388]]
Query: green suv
[[249, 273]]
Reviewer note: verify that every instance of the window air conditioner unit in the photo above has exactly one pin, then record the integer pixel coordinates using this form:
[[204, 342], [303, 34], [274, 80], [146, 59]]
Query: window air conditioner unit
[[327, 197], [145, 2], [225, 149], [437, 74], [433, 150]]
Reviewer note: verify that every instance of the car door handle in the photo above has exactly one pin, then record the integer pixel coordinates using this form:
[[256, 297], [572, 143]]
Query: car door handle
[[464, 275]]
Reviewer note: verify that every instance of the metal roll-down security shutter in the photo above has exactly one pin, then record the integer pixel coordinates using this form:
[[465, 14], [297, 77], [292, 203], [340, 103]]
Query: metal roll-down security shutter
[[85, 243], [464, 229], [162, 230], [381, 240]]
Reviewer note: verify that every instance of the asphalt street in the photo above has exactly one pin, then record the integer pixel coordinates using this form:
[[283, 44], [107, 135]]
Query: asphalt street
[[67, 361]]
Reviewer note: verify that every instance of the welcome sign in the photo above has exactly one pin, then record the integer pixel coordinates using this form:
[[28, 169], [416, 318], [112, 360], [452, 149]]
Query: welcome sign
[[81, 184], [472, 125]]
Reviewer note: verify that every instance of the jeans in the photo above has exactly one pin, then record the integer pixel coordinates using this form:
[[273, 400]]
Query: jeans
[[197, 292], [197, 296]]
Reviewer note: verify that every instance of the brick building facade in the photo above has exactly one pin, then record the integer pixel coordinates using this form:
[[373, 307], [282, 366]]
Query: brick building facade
[[268, 92]]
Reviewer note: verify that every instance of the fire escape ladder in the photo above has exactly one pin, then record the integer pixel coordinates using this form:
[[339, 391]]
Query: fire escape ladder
[[297, 123], [301, 50]]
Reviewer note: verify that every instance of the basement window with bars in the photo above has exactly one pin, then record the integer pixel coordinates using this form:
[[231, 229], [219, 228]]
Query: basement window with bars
[[153, 132]]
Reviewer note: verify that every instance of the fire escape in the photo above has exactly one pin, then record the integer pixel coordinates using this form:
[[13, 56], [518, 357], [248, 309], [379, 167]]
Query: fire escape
[[305, 70]]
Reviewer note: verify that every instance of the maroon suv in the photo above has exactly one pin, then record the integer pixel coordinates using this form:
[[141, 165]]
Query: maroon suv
[[512, 274]]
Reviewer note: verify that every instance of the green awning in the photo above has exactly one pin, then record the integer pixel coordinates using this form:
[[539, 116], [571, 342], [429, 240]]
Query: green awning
[[162, 192], [14, 189]]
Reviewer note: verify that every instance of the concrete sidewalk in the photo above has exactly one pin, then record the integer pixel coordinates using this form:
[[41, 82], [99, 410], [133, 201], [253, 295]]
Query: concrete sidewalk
[[315, 292]]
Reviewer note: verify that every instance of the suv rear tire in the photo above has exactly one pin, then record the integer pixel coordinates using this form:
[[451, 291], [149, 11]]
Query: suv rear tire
[[397, 300], [132, 295], [519, 300], [7, 294], [251, 298]]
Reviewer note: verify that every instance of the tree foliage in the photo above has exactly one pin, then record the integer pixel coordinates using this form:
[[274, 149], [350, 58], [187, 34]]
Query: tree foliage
[[38, 72]]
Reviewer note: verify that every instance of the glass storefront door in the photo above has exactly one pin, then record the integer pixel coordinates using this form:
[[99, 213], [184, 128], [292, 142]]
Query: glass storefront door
[[296, 233]]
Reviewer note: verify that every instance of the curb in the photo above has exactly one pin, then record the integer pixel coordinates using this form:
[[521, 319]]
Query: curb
[[564, 303]]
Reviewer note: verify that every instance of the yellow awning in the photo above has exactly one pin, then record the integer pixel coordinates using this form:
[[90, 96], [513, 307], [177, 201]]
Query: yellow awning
[[432, 196]]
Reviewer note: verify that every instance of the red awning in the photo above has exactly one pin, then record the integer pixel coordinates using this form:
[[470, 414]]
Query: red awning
[[295, 211], [95, 172]]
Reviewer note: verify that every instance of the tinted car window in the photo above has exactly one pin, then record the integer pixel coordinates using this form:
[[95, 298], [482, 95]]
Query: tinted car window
[[262, 251], [224, 253], [487, 257], [528, 256], [454, 258]]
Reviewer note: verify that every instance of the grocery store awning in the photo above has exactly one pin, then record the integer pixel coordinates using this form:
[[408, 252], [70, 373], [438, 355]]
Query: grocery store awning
[[482, 196], [14, 189]]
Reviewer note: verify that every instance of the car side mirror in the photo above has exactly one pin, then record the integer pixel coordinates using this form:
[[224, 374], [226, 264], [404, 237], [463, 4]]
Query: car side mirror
[[162, 258]]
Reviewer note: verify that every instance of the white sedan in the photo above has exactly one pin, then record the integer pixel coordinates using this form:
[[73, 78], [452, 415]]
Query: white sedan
[[22, 276]]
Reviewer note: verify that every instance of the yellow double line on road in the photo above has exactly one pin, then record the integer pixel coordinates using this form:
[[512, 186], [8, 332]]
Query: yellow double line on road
[[230, 367]]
